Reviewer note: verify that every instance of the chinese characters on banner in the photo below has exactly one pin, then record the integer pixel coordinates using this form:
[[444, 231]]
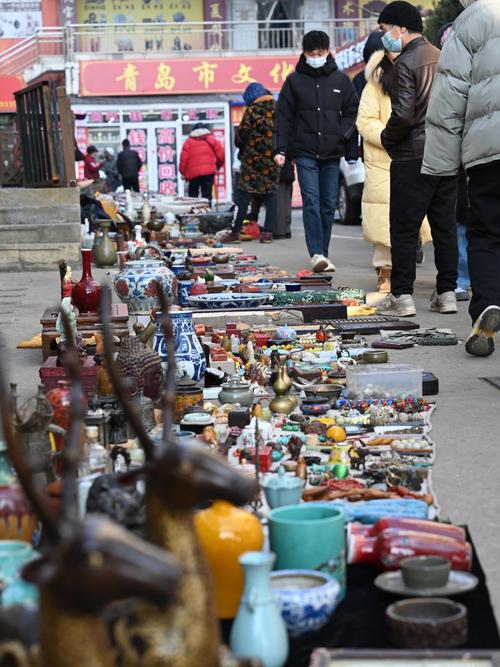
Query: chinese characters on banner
[[215, 11], [183, 76], [167, 163], [8, 86], [139, 142]]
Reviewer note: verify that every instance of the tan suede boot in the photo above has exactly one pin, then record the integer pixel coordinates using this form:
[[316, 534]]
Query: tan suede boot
[[384, 280]]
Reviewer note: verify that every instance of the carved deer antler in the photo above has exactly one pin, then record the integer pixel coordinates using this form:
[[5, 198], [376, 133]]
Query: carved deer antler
[[89, 563], [179, 476]]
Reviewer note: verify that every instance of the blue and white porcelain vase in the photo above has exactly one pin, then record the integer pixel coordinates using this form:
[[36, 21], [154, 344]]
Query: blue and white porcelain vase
[[189, 355], [259, 630], [184, 291], [136, 286]]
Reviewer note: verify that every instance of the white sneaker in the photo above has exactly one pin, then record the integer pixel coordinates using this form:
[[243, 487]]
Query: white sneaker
[[330, 268], [319, 263], [444, 303], [400, 306]]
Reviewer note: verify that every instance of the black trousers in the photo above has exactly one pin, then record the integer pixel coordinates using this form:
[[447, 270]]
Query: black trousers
[[203, 183], [483, 235], [131, 183], [269, 200], [255, 206], [413, 196]]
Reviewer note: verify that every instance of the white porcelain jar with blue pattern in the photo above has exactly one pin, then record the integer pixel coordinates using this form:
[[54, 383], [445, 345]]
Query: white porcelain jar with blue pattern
[[189, 355], [306, 598], [136, 286]]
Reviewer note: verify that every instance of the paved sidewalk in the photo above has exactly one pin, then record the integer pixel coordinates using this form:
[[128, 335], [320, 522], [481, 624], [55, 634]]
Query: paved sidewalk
[[466, 474]]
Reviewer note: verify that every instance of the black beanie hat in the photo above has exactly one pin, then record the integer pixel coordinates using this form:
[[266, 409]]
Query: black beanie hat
[[403, 14], [373, 43]]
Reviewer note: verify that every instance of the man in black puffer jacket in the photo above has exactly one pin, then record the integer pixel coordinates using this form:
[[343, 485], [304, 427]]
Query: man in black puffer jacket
[[315, 127], [128, 164]]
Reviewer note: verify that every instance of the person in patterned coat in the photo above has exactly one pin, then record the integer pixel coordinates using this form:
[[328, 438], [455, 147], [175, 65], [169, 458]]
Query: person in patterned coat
[[259, 174]]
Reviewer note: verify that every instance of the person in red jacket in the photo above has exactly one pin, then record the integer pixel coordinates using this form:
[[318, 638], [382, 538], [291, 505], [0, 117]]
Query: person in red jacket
[[91, 165], [201, 157]]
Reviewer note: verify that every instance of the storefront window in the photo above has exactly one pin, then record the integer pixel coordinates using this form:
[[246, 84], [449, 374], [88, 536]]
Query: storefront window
[[157, 134]]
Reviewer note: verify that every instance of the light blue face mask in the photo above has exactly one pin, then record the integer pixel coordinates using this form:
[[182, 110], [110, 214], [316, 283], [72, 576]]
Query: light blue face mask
[[316, 62], [390, 44]]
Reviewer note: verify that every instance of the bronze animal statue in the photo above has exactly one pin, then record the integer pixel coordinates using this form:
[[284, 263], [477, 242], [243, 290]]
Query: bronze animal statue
[[87, 564], [179, 477]]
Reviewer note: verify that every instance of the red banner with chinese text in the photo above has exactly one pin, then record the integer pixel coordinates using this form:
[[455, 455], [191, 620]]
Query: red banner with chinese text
[[189, 75], [8, 86]]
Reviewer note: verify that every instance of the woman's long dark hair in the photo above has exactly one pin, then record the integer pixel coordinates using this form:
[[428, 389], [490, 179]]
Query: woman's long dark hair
[[385, 73]]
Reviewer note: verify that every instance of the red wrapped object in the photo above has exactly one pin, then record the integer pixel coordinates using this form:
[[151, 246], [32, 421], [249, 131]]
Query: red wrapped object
[[392, 545], [265, 457], [260, 338], [406, 523]]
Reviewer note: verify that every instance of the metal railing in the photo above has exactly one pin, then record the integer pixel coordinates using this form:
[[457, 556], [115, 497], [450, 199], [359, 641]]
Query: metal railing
[[80, 41], [195, 37], [27, 52]]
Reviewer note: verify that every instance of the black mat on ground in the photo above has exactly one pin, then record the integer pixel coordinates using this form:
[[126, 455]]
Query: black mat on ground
[[359, 621]]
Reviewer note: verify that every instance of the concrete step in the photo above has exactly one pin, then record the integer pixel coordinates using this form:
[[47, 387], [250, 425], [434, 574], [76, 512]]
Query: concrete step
[[39, 257], [45, 206], [40, 215], [49, 233]]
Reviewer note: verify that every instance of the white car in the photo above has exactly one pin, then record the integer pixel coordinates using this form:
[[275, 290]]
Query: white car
[[352, 179]]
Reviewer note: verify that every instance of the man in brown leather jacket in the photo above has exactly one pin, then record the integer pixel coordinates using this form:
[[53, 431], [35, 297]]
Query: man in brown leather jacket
[[414, 195]]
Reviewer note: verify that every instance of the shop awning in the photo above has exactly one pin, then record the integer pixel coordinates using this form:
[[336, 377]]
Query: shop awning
[[8, 86]]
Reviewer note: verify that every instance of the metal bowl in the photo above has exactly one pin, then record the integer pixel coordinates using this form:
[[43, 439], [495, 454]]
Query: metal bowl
[[329, 391], [375, 356]]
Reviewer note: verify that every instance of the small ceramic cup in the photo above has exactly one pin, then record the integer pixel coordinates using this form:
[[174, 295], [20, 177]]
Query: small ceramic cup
[[425, 571]]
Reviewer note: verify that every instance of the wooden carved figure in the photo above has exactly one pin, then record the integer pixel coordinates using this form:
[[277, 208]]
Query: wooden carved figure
[[179, 477], [87, 564]]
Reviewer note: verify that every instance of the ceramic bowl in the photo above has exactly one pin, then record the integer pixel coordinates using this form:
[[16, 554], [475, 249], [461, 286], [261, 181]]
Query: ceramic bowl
[[427, 623], [425, 571], [306, 598], [197, 418], [184, 435], [329, 391], [263, 287]]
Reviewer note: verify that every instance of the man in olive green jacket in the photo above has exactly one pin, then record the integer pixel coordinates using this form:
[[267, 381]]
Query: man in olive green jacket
[[463, 125]]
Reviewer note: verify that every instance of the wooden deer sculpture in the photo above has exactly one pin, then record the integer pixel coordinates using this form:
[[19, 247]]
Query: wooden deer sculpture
[[88, 564], [179, 477]]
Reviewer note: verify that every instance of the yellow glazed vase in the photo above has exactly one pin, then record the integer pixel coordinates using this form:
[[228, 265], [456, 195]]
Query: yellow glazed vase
[[226, 532]]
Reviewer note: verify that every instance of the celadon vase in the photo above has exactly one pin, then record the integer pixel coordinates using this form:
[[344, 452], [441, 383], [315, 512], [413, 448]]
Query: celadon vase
[[105, 253], [259, 630]]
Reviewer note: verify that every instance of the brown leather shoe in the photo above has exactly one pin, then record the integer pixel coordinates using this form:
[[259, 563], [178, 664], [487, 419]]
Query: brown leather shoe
[[384, 280], [266, 237]]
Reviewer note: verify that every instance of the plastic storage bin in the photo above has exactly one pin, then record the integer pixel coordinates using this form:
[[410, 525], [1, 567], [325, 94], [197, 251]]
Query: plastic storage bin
[[384, 381]]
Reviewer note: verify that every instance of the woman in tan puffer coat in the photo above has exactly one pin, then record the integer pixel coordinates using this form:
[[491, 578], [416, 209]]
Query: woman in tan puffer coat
[[374, 112]]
